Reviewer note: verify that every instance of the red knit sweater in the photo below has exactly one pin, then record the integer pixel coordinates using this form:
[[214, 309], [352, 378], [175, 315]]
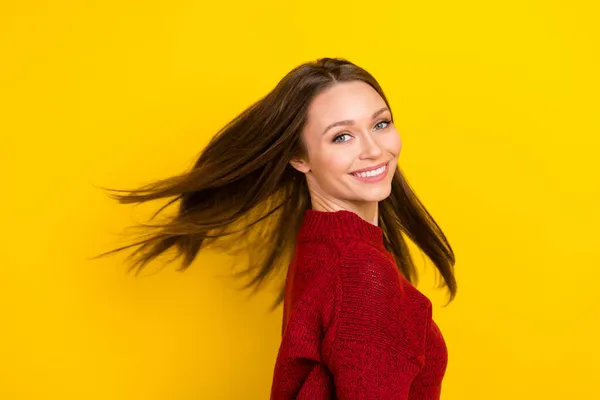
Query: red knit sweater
[[353, 326]]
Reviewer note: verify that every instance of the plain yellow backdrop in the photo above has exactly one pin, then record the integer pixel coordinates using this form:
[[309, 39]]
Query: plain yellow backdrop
[[497, 105]]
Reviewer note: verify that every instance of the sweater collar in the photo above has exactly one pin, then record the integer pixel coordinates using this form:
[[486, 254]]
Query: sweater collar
[[340, 224]]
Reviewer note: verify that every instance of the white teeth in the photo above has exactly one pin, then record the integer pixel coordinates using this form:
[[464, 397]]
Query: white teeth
[[374, 172]]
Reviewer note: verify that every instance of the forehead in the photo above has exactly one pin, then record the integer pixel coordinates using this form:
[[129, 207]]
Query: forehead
[[353, 100]]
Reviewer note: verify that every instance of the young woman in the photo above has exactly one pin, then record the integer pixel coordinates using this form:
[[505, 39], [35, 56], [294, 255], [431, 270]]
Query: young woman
[[306, 181]]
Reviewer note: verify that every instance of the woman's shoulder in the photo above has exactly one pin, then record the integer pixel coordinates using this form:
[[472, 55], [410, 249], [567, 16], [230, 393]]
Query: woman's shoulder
[[343, 253], [316, 257], [356, 253], [317, 248]]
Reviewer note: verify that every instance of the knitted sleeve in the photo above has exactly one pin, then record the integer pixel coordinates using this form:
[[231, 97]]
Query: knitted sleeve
[[377, 334]]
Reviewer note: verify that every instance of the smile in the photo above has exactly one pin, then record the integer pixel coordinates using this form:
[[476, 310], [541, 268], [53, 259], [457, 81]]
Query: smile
[[375, 174]]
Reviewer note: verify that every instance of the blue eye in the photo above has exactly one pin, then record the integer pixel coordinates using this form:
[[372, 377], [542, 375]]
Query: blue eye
[[378, 125], [336, 139]]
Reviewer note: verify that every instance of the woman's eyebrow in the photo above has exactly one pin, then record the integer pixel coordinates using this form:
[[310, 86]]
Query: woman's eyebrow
[[350, 122]]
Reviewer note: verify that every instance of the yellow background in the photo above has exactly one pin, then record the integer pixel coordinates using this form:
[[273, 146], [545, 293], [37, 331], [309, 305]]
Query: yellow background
[[497, 105]]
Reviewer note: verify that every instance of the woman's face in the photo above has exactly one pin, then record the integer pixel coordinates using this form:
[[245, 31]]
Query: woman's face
[[352, 146]]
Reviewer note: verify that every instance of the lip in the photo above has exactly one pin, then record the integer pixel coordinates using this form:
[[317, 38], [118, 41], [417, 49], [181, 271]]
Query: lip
[[369, 168], [371, 179]]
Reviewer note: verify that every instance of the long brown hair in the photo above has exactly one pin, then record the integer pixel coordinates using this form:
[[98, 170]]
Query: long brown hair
[[242, 194]]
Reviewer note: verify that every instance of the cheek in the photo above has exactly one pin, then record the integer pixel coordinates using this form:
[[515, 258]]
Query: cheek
[[393, 143], [340, 160], [335, 162]]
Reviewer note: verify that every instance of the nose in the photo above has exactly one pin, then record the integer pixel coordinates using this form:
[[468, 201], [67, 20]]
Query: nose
[[370, 147]]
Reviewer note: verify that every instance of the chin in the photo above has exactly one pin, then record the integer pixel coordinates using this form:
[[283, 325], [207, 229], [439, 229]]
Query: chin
[[375, 195]]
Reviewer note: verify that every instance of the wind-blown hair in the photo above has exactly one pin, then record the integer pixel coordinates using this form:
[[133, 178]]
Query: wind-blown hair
[[242, 194]]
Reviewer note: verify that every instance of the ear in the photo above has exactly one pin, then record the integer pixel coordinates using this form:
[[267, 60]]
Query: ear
[[300, 164]]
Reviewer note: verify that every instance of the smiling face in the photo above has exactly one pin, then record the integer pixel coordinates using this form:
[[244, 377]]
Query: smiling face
[[352, 147]]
